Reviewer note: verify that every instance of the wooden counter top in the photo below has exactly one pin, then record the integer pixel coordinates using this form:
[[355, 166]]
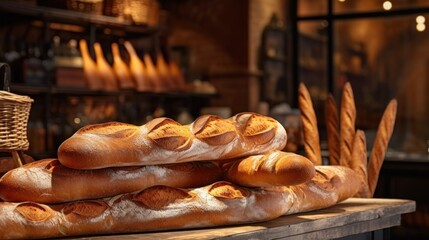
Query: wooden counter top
[[353, 216]]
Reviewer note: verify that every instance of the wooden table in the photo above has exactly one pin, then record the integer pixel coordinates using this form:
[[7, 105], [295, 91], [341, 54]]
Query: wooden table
[[355, 218]]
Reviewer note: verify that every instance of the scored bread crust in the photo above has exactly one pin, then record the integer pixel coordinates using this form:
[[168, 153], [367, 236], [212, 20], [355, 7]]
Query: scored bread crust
[[273, 169], [47, 181], [163, 140], [166, 208], [152, 209], [359, 163], [347, 125], [381, 141], [309, 126], [332, 128]]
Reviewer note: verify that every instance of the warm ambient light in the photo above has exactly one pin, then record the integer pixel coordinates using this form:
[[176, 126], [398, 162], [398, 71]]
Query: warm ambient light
[[341, 0], [420, 27], [420, 19], [387, 5]]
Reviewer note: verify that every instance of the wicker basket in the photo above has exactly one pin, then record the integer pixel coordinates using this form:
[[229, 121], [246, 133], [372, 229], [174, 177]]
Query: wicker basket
[[14, 113]]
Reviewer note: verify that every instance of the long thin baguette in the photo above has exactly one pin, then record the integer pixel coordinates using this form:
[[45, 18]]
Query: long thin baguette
[[309, 123], [384, 132], [347, 125], [153, 209], [47, 181], [359, 163], [160, 208], [274, 169], [332, 128], [164, 141]]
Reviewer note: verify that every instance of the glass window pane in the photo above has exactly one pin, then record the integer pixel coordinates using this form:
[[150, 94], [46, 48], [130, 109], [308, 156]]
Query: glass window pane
[[312, 61], [312, 7], [384, 59], [353, 6]]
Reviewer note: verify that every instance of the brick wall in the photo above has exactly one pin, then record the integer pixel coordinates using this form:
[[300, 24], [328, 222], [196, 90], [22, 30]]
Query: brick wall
[[223, 38]]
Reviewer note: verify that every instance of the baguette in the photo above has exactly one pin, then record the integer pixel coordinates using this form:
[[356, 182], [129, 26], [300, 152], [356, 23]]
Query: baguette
[[47, 181], [359, 163], [163, 140], [162, 208], [153, 209], [382, 137], [309, 123], [274, 169], [332, 121], [347, 125]]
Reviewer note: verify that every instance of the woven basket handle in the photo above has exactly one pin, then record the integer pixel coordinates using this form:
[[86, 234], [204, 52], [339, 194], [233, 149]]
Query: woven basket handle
[[6, 80]]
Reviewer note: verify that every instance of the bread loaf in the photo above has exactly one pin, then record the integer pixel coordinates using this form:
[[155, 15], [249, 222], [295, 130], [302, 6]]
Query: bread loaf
[[359, 163], [47, 181], [382, 137], [160, 207], [163, 140], [309, 125], [332, 128], [153, 209], [274, 169], [347, 125]]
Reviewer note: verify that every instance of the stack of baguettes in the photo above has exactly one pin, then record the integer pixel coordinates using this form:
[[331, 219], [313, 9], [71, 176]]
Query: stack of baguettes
[[117, 178]]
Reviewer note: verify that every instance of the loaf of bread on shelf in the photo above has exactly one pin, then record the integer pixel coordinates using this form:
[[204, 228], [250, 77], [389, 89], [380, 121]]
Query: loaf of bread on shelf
[[273, 169], [47, 181], [163, 141], [165, 208], [152, 209]]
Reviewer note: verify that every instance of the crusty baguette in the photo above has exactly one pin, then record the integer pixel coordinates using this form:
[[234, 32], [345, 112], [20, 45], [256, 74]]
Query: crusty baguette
[[160, 208], [359, 163], [47, 181], [382, 137], [309, 124], [163, 140], [332, 128], [153, 209], [330, 185], [347, 125], [274, 169]]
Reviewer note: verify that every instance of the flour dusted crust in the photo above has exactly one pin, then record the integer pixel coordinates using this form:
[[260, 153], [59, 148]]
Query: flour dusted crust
[[163, 208], [47, 181], [153, 209], [163, 141]]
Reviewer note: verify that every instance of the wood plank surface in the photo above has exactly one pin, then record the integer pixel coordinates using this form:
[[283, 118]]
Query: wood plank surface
[[353, 216]]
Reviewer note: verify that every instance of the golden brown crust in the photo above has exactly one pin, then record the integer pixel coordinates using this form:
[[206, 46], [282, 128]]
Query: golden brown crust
[[169, 134], [163, 141], [214, 130], [154, 209], [347, 125], [256, 128], [381, 141], [359, 163], [47, 181], [332, 128], [273, 169], [309, 124]]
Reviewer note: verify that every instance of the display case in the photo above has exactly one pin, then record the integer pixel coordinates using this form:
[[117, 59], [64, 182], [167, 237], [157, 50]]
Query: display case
[[40, 43]]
